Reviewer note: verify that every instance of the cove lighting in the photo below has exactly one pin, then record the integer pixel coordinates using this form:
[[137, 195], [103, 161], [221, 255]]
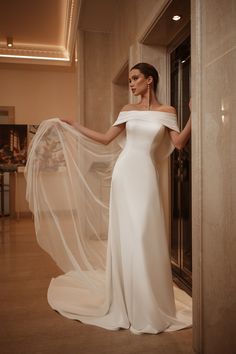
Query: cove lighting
[[176, 17], [32, 57]]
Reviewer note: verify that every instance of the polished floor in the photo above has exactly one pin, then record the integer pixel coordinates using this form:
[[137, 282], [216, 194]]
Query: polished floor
[[29, 326]]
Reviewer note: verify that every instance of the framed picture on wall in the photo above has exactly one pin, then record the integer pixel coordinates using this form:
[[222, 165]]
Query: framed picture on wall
[[13, 144]]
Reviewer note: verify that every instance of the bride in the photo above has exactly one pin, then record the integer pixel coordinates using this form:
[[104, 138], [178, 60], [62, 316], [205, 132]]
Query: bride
[[78, 182]]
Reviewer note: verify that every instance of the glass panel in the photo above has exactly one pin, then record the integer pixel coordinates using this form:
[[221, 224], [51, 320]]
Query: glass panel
[[181, 245], [175, 241], [186, 181]]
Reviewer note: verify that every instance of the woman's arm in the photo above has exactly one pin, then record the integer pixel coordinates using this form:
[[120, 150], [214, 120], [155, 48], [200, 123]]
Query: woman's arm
[[103, 138], [180, 139]]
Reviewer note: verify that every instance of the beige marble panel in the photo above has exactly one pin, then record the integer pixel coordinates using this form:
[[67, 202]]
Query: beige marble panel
[[214, 175], [80, 77], [132, 19], [97, 80], [220, 29], [120, 94], [219, 203]]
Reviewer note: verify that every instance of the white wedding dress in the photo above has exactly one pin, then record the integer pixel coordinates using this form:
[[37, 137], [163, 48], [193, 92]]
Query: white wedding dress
[[125, 281]]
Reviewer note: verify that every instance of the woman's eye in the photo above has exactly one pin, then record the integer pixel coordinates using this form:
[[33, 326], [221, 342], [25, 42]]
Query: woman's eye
[[134, 78]]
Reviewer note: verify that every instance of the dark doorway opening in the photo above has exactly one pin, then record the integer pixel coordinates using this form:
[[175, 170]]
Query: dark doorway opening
[[181, 213]]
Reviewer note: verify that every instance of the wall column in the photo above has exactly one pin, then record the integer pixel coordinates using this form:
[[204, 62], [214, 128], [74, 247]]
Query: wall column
[[94, 79], [214, 175]]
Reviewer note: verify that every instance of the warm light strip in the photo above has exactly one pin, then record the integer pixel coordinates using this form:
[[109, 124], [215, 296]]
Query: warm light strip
[[32, 57]]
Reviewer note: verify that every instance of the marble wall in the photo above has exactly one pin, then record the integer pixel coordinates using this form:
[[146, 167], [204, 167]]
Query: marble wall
[[94, 80], [214, 174], [131, 20], [102, 56], [97, 83]]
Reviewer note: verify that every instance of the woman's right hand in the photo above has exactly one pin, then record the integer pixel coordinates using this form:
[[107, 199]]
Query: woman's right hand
[[72, 123], [68, 121]]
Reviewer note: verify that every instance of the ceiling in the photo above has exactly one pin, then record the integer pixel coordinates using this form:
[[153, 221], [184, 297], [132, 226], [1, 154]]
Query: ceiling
[[165, 30], [43, 31]]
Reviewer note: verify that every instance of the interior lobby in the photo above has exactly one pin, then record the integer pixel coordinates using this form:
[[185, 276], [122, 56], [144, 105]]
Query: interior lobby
[[71, 59]]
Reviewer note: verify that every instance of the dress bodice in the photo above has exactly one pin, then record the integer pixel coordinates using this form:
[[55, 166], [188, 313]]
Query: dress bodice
[[143, 136], [146, 131]]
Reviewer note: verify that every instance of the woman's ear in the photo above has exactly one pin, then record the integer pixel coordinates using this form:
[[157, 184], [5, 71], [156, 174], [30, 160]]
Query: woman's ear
[[150, 80]]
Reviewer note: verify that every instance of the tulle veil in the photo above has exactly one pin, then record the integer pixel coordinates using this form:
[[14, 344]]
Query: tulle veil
[[68, 186]]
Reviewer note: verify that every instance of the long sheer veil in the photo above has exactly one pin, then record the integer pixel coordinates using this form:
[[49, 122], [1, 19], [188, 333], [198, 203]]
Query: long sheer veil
[[68, 181], [68, 187]]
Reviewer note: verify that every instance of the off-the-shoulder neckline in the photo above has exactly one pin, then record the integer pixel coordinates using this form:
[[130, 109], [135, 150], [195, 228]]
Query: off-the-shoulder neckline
[[137, 110]]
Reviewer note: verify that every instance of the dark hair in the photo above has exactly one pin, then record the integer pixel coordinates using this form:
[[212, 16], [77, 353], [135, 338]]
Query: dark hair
[[148, 70]]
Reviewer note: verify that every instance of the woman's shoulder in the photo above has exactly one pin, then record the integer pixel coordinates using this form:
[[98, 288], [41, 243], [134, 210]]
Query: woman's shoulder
[[167, 109]]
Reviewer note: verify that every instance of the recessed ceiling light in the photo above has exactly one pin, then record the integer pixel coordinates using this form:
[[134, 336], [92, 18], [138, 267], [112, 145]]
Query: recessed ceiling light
[[10, 42], [176, 17]]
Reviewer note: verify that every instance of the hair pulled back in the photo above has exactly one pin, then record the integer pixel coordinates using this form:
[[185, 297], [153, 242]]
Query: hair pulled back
[[148, 70]]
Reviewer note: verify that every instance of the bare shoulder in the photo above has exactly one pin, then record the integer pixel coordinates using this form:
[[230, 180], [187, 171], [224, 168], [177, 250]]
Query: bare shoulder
[[129, 107], [168, 109]]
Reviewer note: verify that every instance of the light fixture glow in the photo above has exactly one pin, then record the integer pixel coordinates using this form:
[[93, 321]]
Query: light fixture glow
[[176, 17], [32, 57], [10, 42]]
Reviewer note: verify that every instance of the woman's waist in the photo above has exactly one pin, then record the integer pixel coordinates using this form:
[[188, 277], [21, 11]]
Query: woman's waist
[[136, 156], [139, 148]]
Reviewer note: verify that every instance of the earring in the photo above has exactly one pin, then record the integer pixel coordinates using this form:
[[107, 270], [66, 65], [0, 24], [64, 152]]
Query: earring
[[149, 96]]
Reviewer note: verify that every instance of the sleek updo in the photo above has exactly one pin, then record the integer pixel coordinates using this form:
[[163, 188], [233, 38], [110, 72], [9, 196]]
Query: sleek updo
[[148, 70]]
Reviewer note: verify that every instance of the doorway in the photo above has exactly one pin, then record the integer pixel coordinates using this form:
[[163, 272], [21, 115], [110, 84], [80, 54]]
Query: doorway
[[181, 213]]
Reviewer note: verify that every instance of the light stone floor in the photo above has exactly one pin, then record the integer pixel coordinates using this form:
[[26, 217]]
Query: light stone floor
[[29, 326]]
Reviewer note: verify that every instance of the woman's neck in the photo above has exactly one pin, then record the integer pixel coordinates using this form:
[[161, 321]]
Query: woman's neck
[[148, 104]]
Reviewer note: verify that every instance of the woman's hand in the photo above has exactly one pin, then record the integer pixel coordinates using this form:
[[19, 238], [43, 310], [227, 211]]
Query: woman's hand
[[74, 124], [68, 121], [190, 104], [180, 139]]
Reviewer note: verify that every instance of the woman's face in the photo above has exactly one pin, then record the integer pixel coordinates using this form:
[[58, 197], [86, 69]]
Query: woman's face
[[138, 82]]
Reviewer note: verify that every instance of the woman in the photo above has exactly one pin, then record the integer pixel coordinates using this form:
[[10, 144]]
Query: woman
[[135, 289]]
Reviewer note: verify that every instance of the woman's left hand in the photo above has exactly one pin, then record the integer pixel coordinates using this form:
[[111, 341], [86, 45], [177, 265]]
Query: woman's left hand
[[190, 104]]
